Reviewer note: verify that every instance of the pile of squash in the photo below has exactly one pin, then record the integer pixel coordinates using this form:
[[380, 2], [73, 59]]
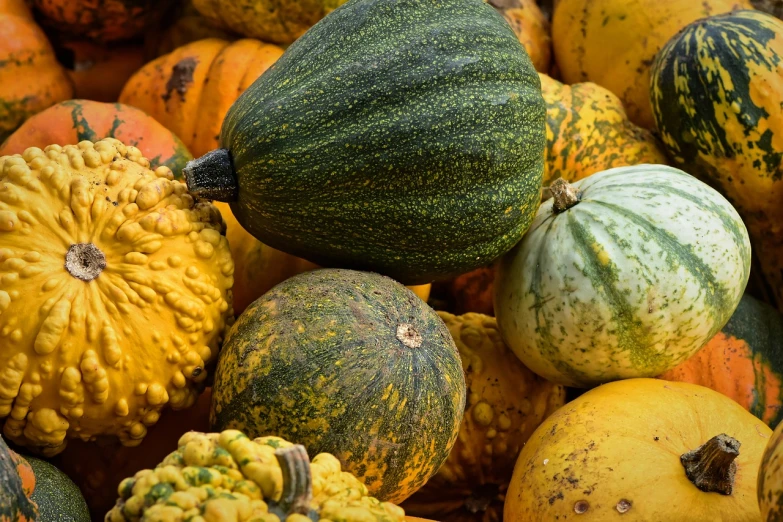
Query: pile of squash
[[356, 260]]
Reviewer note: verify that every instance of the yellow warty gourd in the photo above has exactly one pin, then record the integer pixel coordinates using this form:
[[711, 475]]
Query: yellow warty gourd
[[228, 477], [114, 293]]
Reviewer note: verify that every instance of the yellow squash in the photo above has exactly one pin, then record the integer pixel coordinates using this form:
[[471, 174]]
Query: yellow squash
[[641, 450], [227, 477], [587, 131], [115, 293], [505, 403], [531, 27], [613, 42]]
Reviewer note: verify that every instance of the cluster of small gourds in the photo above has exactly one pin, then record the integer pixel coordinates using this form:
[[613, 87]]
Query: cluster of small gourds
[[210, 211]]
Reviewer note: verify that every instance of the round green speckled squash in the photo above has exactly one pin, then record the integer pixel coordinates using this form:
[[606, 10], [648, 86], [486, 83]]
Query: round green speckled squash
[[623, 274], [58, 498], [717, 92], [349, 363], [401, 137]]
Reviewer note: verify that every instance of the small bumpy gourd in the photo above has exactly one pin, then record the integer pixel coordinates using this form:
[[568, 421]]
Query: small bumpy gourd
[[114, 293], [229, 477]]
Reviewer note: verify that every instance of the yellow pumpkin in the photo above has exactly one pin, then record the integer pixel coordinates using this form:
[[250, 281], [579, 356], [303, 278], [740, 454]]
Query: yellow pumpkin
[[115, 295], [770, 481], [259, 267], [613, 42], [505, 403], [646, 449]]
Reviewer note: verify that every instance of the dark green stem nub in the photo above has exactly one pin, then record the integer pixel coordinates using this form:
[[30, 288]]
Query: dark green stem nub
[[297, 481], [212, 176], [564, 194], [711, 466]]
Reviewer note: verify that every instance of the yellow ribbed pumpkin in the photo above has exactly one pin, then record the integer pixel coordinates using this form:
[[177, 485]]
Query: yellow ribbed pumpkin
[[114, 295]]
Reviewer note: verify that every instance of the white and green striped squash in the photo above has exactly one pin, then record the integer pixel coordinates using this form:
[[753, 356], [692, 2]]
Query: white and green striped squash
[[631, 279]]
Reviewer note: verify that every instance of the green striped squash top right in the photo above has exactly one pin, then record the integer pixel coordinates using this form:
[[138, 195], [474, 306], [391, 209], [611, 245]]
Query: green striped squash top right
[[623, 274]]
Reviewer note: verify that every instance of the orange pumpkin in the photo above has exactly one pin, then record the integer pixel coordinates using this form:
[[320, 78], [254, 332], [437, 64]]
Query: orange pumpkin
[[191, 89], [101, 20], [98, 467], [31, 79], [98, 72], [531, 27], [72, 121]]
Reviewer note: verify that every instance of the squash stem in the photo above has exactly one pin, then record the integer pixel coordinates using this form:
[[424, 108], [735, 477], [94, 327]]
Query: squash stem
[[564, 194], [711, 466], [85, 261], [212, 176], [297, 481]]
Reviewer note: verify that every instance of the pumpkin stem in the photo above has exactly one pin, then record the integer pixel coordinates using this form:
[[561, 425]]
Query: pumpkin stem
[[297, 482], [711, 466], [85, 261], [564, 194], [408, 335], [212, 176]]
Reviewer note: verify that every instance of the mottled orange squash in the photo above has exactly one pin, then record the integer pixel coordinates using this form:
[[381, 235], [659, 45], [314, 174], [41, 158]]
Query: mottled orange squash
[[587, 131], [17, 483], [99, 466], [613, 42], [505, 403], [31, 79], [116, 293], [531, 27], [743, 361], [99, 72], [72, 121], [191, 89]]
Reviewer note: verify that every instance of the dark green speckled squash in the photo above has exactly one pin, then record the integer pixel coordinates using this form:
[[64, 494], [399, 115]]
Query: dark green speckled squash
[[350, 363], [398, 136], [58, 498], [717, 92]]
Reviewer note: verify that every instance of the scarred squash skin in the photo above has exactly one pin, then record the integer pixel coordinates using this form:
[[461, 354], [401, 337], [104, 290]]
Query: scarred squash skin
[[191, 89], [227, 477], [115, 293], [350, 363], [30, 77], [268, 20], [613, 42], [505, 403], [743, 361], [770, 479], [615, 453], [587, 131], [725, 73], [72, 121]]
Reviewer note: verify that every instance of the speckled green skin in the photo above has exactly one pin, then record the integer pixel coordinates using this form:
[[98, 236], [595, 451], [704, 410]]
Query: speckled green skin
[[317, 361], [58, 498], [404, 137], [629, 282]]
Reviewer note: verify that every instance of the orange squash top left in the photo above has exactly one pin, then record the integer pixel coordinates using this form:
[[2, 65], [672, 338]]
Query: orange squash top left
[[25, 53]]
